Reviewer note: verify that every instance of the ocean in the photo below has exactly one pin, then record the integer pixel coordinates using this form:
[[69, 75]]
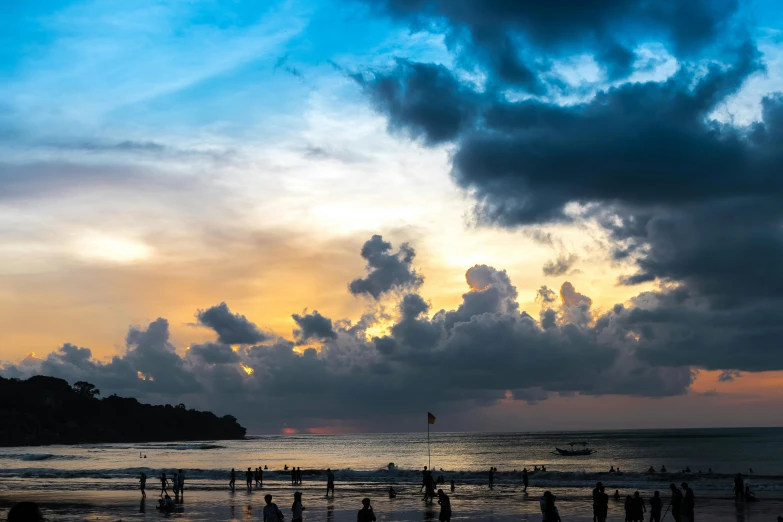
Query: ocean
[[100, 481]]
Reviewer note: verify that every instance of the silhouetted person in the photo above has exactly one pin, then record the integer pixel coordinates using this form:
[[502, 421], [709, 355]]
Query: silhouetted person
[[543, 468], [365, 514], [739, 486], [392, 493], [249, 479], [299, 475], [548, 508], [257, 476], [628, 506], [651, 470], [638, 507], [611, 469], [524, 479], [663, 469], [603, 502], [293, 476], [329, 481], [491, 478], [260, 477], [445, 506], [688, 503], [429, 487], [423, 479], [452, 486], [617, 494], [597, 499], [163, 484], [233, 479], [749, 496], [655, 507], [25, 512], [297, 508], [181, 482], [143, 484], [676, 503], [175, 484], [271, 513]]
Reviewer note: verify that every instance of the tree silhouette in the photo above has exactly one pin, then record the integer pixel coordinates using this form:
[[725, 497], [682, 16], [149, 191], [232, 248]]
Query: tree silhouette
[[86, 389]]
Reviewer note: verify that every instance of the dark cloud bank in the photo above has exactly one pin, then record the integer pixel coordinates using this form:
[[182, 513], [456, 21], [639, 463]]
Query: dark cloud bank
[[330, 371], [690, 203]]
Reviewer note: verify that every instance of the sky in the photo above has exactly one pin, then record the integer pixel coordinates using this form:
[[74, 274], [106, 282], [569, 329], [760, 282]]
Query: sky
[[333, 216]]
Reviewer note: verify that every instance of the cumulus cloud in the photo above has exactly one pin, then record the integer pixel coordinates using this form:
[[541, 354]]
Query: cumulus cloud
[[231, 328], [313, 326], [386, 270]]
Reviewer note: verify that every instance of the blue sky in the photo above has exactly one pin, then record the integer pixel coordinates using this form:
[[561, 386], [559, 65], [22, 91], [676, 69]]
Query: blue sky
[[160, 157]]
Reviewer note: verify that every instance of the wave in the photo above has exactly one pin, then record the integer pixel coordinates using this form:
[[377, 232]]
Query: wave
[[43, 456]]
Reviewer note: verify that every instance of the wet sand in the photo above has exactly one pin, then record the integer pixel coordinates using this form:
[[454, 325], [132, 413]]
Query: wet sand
[[500, 505]]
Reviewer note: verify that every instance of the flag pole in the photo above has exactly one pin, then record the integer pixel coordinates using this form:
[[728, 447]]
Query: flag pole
[[429, 458]]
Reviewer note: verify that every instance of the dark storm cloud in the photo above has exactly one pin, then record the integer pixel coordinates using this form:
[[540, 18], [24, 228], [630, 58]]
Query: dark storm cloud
[[313, 327], [508, 37], [424, 100], [386, 270], [231, 328], [214, 353], [562, 265]]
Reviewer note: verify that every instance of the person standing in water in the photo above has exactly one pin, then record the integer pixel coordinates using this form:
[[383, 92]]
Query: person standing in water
[[329, 482], [163, 484], [524, 479], [297, 508], [452, 486], [491, 478], [445, 506], [423, 479], [249, 479], [676, 503], [143, 484], [365, 514], [597, 500], [688, 503], [271, 513], [175, 484], [233, 479], [181, 482], [739, 486], [548, 508], [603, 501], [638, 508], [655, 507]]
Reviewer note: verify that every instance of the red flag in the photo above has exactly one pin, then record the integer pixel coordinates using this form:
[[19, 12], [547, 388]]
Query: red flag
[[430, 418]]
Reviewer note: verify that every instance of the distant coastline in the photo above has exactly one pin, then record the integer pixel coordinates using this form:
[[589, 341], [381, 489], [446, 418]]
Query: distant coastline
[[46, 410]]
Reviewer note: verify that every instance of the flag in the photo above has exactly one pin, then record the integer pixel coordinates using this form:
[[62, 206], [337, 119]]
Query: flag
[[430, 418]]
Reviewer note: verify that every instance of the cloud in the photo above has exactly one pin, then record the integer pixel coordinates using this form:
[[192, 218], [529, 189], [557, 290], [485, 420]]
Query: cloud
[[231, 328], [729, 375], [387, 271], [560, 266], [313, 327], [483, 351]]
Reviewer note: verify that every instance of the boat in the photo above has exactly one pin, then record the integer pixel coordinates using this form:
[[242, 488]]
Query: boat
[[574, 452]]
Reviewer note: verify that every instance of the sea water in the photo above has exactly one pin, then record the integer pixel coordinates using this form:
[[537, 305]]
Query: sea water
[[96, 473]]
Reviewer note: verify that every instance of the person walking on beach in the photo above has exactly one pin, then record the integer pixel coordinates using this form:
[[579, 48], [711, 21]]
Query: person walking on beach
[[739, 486], [163, 484], [655, 507], [271, 513], [688, 503], [524, 479], [445, 506], [365, 514], [638, 507], [233, 479], [143, 484], [329, 482], [423, 479], [249, 479], [297, 508], [548, 508], [175, 484], [181, 482], [429, 488], [676, 503]]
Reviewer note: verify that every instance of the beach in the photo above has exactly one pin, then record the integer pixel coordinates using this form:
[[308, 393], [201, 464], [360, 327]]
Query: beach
[[100, 482]]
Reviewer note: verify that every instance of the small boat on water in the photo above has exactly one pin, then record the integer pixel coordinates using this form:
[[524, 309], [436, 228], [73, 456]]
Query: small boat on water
[[574, 452]]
